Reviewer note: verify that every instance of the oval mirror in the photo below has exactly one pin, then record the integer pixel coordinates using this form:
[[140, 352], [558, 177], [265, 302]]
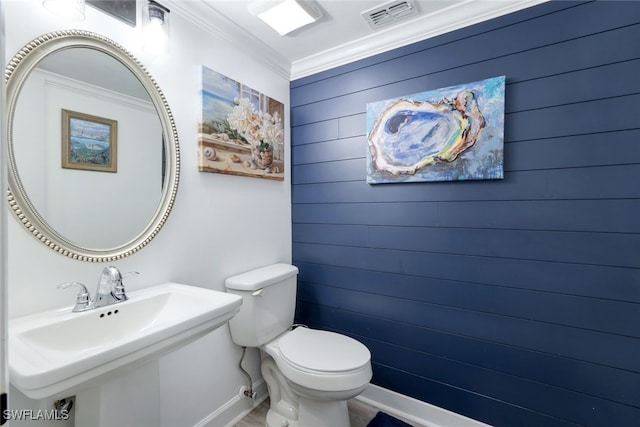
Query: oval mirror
[[93, 149]]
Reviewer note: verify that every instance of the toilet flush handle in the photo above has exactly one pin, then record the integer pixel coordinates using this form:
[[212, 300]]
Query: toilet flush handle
[[257, 293]]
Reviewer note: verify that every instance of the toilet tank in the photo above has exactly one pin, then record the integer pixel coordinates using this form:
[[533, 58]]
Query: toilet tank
[[268, 303]]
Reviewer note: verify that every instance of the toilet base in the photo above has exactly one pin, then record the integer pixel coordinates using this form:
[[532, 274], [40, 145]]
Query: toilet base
[[274, 419], [296, 406], [322, 413], [313, 413]]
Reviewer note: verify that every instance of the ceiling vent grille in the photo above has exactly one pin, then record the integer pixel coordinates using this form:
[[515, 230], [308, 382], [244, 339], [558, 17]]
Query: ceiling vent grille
[[390, 13]]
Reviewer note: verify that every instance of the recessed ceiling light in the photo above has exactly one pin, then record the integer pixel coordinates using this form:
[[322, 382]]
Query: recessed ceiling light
[[285, 16]]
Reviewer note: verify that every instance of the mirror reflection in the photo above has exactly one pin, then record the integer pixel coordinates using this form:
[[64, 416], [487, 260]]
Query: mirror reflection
[[90, 208]]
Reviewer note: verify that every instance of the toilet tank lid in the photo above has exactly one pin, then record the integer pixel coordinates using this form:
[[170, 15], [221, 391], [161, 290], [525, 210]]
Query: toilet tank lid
[[261, 277]]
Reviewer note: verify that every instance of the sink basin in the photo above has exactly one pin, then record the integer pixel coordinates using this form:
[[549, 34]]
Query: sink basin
[[57, 352]]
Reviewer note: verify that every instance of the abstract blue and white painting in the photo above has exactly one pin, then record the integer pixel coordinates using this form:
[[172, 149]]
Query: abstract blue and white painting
[[449, 134]]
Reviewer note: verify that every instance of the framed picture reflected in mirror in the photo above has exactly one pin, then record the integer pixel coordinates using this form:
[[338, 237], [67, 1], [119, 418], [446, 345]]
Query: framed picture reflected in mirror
[[89, 142]]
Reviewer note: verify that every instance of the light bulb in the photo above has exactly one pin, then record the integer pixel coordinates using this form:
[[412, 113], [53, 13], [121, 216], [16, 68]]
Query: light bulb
[[155, 28]]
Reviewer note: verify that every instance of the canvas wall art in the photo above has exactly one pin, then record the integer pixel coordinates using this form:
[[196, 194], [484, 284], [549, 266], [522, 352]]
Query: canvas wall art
[[241, 130], [449, 134]]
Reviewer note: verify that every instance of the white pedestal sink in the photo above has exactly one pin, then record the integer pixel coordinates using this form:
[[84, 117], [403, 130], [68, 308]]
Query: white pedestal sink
[[56, 353]]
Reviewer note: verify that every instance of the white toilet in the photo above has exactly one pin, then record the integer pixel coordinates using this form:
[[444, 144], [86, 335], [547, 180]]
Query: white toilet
[[310, 373]]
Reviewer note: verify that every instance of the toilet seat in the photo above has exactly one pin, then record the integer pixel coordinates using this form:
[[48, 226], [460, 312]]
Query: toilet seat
[[315, 350], [321, 360]]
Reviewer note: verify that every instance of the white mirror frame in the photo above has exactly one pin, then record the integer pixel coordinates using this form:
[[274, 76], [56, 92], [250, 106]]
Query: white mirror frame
[[16, 72]]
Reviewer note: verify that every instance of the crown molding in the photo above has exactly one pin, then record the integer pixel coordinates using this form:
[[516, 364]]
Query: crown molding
[[457, 16], [444, 20], [207, 18]]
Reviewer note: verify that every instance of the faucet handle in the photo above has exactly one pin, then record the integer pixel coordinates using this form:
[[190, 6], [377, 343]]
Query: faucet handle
[[130, 273], [83, 299], [119, 291]]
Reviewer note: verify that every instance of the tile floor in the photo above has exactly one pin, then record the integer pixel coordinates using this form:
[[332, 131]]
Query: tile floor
[[359, 414]]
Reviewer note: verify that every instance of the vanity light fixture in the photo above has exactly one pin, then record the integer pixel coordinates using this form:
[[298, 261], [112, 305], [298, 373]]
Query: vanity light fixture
[[285, 16], [69, 9], [155, 28]]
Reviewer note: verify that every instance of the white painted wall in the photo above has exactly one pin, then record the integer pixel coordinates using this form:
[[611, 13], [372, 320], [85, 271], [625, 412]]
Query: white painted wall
[[221, 225]]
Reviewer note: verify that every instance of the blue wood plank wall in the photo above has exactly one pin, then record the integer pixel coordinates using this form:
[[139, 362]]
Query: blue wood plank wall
[[515, 302]]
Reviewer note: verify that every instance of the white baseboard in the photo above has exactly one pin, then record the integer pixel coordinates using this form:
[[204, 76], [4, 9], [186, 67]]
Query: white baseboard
[[420, 413], [235, 409], [414, 410]]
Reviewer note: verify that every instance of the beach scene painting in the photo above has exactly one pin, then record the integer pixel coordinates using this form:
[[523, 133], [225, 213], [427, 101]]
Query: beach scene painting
[[89, 142], [450, 134], [241, 131]]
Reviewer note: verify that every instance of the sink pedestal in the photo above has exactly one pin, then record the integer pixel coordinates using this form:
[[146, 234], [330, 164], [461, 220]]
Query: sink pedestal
[[130, 399]]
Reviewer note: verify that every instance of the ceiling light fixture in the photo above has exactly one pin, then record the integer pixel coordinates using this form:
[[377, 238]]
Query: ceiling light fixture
[[155, 28], [285, 16], [69, 9]]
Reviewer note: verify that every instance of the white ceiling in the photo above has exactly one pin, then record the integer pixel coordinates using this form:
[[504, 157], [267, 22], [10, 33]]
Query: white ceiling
[[341, 35]]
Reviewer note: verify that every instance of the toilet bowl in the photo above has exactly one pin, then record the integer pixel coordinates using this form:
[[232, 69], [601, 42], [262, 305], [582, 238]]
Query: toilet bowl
[[322, 369], [310, 373]]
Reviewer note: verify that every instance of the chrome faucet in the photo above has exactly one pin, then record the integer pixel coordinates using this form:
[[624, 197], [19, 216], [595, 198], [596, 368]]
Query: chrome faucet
[[110, 290]]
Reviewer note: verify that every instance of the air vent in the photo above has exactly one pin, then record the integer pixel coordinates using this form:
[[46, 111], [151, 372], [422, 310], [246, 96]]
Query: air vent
[[390, 13]]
